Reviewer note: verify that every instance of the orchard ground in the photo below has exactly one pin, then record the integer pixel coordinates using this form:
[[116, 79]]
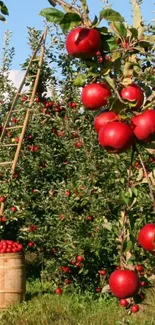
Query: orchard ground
[[43, 307]]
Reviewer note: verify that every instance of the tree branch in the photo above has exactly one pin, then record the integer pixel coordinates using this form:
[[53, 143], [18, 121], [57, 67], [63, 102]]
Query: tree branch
[[84, 15], [68, 6]]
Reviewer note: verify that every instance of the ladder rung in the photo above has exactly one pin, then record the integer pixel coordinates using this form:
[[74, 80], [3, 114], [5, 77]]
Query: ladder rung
[[31, 76], [14, 127], [19, 110], [9, 145], [36, 59], [5, 163]]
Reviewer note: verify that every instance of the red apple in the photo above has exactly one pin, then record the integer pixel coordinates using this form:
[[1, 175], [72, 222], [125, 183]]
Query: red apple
[[102, 272], [32, 228], [133, 93], [83, 42], [13, 209], [124, 283], [116, 137], [73, 262], [90, 218], [75, 134], [143, 283], [123, 302], [68, 281], [103, 118], [65, 269], [95, 95], [146, 237], [79, 144], [79, 259], [58, 291], [134, 308], [143, 126], [30, 244], [139, 268], [67, 193], [2, 199], [2, 219]]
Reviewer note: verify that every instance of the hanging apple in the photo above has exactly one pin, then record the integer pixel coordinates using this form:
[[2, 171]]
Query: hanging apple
[[143, 126], [95, 95], [133, 93], [83, 42], [116, 137], [146, 237], [103, 118], [124, 283]]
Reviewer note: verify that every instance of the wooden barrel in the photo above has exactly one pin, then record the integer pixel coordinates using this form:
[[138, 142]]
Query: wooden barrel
[[12, 279]]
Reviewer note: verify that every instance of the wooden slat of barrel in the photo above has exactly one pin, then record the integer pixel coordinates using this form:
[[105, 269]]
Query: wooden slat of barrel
[[12, 279]]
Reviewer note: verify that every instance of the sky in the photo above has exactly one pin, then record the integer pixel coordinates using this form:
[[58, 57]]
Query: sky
[[23, 13]]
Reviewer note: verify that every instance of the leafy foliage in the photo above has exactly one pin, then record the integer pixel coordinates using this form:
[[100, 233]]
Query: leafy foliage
[[3, 10]]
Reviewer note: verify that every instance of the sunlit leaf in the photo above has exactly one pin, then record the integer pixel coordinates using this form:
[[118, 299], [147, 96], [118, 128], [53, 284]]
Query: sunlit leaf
[[52, 15], [110, 15]]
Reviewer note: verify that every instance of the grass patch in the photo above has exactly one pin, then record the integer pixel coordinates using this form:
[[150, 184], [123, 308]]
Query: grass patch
[[75, 309]]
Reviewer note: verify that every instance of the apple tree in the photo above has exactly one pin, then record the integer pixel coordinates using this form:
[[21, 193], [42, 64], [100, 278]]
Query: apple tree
[[119, 77]]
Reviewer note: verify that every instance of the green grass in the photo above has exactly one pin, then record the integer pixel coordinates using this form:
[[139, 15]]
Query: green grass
[[50, 309]]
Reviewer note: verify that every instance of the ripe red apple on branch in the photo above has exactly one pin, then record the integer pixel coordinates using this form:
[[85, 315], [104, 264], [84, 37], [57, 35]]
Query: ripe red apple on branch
[[143, 126], [146, 237], [116, 137], [83, 42], [95, 95], [103, 118], [124, 283], [133, 93]]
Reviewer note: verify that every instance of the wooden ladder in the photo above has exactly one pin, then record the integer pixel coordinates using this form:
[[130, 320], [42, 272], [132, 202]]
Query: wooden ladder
[[11, 164]]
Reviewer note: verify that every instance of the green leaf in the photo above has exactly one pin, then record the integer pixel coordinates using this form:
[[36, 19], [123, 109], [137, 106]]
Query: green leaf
[[119, 28], [3, 8], [137, 18], [52, 2], [128, 246], [128, 69], [108, 43], [133, 32], [95, 21], [110, 15], [117, 106], [103, 30], [52, 15], [69, 20], [2, 18], [116, 59], [79, 81], [107, 66]]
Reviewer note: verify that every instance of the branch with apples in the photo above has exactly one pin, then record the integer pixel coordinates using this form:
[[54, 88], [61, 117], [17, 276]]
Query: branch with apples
[[115, 87]]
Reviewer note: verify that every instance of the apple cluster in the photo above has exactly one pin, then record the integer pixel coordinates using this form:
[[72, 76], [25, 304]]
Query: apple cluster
[[10, 246], [114, 135], [126, 283]]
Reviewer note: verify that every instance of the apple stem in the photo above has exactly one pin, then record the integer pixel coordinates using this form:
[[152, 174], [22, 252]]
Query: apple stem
[[147, 178]]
